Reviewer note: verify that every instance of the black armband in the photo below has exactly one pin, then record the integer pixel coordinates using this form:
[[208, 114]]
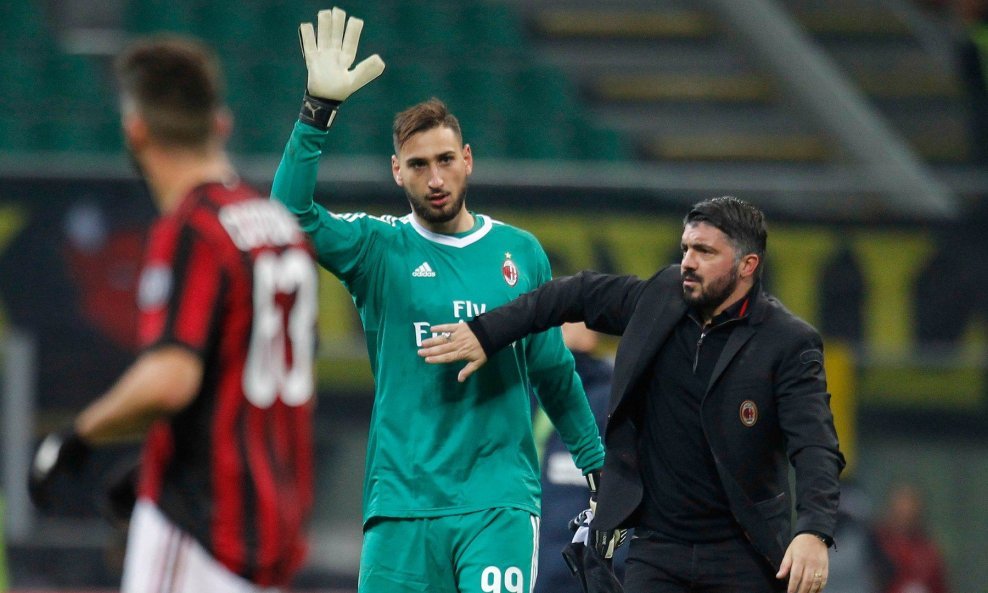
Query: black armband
[[318, 113]]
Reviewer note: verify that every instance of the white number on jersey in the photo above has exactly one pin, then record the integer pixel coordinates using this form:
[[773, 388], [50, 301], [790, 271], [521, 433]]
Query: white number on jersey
[[267, 375], [490, 580]]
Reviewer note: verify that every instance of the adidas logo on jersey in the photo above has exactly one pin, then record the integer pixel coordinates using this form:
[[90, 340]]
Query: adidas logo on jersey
[[424, 271]]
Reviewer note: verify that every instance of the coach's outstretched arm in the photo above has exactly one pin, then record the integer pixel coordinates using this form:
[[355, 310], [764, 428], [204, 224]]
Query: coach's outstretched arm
[[605, 302], [328, 57]]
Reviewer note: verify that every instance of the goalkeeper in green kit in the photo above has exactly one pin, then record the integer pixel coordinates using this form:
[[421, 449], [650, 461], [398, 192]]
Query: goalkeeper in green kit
[[451, 489]]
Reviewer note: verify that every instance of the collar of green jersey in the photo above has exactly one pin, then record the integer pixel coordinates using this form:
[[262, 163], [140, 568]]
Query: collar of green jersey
[[482, 224]]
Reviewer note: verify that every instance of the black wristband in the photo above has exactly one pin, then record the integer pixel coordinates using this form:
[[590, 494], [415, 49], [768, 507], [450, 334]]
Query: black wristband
[[593, 482], [318, 113]]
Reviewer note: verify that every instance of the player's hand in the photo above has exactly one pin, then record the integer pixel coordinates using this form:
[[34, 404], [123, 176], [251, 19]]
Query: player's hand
[[61, 453], [453, 342], [120, 492], [328, 59], [605, 542], [806, 563]]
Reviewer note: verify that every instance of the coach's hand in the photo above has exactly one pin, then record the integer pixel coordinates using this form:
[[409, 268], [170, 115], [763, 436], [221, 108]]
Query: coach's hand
[[328, 61], [61, 453], [806, 563], [454, 341]]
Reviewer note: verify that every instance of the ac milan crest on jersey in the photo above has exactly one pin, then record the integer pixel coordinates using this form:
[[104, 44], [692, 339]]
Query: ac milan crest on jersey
[[509, 270], [748, 413]]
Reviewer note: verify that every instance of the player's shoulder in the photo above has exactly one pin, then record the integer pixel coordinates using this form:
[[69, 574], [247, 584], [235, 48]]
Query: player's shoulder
[[785, 323], [235, 215], [381, 223], [508, 232]]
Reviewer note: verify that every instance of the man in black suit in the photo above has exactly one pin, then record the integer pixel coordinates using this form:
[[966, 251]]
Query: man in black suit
[[717, 389]]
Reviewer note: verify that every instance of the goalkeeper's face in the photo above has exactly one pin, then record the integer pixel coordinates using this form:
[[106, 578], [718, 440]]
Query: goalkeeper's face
[[432, 167]]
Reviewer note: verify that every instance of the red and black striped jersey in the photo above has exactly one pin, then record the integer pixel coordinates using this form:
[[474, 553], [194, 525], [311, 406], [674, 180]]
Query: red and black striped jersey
[[230, 276]]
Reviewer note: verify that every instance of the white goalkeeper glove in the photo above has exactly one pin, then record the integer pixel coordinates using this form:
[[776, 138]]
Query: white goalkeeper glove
[[328, 61], [605, 542]]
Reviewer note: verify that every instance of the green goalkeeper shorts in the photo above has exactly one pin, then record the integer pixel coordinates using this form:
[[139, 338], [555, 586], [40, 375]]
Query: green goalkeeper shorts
[[491, 551]]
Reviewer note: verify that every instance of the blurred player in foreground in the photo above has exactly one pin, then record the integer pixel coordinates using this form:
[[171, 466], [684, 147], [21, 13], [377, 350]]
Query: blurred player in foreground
[[451, 487], [223, 390], [717, 390]]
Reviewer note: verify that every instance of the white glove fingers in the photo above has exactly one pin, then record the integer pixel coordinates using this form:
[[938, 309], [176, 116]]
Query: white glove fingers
[[307, 38], [351, 37], [339, 28], [324, 28], [366, 71]]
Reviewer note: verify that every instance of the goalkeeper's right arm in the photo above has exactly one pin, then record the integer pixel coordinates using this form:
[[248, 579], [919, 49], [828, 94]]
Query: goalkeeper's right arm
[[328, 60], [330, 81]]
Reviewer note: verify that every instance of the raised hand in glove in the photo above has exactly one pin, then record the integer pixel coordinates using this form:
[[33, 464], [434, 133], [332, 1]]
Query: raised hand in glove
[[605, 542], [60, 453], [328, 59]]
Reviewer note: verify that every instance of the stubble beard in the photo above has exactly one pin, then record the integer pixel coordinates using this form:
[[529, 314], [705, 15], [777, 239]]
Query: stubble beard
[[424, 211], [713, 294]]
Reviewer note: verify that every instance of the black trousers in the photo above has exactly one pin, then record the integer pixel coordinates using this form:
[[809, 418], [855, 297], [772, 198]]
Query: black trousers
[[660, 565]]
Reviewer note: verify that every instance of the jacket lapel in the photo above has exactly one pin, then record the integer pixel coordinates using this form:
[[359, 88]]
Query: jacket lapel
[[740, 336], [648, 329], [735, 341]]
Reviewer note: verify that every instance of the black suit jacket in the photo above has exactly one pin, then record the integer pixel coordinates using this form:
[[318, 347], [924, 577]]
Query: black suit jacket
[[772, 366]]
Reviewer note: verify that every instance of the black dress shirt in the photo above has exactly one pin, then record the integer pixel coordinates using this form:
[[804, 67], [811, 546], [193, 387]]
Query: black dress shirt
[[684, 499]]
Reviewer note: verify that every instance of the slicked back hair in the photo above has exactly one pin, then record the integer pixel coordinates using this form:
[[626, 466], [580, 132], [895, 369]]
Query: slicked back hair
[[743, 224], [174, 83], [421, 117]]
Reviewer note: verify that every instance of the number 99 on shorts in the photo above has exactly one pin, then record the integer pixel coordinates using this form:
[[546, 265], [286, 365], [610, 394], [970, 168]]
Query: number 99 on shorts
[[493, 581]]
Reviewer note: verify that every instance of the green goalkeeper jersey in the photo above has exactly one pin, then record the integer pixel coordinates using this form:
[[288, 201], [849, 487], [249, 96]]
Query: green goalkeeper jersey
[[436, 446]]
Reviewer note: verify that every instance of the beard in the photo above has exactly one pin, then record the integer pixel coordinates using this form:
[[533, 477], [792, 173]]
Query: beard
[[432, 215], [711, 294]]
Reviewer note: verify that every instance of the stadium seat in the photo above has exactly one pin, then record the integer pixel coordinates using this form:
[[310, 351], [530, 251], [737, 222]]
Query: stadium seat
[[482, 93], [490, 86], [409, 82], [538, 139], [427, 29], [22, 26], [86, 110], [21, 76], [599, 144], [486, 139], [153, 16], [356, 135], [548, 95], [493, 30], [231, 27]]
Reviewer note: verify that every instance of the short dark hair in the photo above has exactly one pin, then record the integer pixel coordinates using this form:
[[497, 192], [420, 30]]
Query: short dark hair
[[175, 84], [743, 224], [421, 117]]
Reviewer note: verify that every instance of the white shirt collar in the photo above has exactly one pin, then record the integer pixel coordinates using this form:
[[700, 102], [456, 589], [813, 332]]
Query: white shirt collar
[[475, 235]]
